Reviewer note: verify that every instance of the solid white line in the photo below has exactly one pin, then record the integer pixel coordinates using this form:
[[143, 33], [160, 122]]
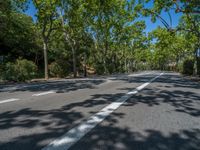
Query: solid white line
[[44, 93], [139, 74], [75, 134], [9, 100], [145, 84]]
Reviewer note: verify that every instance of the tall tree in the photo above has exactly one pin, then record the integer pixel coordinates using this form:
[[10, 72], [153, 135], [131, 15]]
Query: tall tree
[[71, 14], [170, 48], [47, 21], [18, 35], [112, 27]]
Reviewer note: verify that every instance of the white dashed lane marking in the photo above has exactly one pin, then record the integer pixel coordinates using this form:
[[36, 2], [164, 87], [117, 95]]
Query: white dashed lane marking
[[76, 133], [17, 99], [9, 100], [44, 93]]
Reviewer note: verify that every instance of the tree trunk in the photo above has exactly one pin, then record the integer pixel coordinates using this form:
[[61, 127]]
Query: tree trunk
[[197, 60], [125, 65], [72, 46], [106, 70], [73, 55], [85, 67], [198, 65], [74, 62], [45, 60]]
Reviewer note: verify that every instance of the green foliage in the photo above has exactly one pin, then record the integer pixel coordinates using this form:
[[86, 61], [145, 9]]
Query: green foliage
[[10, 72], [21, 70], [55, 69], [47, 21], [1, 71], [169, 48], [115, 33], [183, 6], [58, 69], [189, 25], [105, 35], [188, 66], [198, 66], [18, 34]]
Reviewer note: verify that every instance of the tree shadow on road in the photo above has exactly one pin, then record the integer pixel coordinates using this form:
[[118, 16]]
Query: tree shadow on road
[[71, 85], [181, 95], [185, 102], [108, 137], [51, 124], [58, 86]]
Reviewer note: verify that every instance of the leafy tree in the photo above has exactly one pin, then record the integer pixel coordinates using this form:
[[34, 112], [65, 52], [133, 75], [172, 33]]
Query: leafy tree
[[47, 21], [112, 26], [170, 48], [73, 26], [191, 11], [105, 36], [189, 25], [18, 35]]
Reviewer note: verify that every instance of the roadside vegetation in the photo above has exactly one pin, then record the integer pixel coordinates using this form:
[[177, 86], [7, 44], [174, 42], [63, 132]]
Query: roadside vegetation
[[79, 37]]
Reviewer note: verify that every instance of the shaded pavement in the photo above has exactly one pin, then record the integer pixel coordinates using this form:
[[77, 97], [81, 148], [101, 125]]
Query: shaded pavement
[[163, 116]]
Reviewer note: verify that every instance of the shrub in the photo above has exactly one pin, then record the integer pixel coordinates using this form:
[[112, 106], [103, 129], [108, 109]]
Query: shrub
[[188, 66], [21, 70], [58, 69], [198, 66], [99, 69], [10, 72], [1, 71]]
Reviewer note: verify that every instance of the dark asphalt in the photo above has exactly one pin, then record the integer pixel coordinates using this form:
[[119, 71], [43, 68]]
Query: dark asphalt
[[165, 115]]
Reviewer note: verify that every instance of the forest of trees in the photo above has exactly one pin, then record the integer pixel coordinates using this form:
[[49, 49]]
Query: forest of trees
[[72, 37]]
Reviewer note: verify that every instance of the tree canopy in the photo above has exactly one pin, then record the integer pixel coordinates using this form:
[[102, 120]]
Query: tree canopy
[[71, 37]]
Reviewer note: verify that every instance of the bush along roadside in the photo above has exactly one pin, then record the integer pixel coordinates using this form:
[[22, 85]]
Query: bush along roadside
[[20, 70], [58, 69], [187, 66]]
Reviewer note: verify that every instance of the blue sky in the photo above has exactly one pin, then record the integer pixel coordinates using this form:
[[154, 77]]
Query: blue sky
[[149, 25]]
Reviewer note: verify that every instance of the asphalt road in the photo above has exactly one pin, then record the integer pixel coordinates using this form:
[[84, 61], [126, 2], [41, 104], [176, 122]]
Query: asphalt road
[[143, 114]]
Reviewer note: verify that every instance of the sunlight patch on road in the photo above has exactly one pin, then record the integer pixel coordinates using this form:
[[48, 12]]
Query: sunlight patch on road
[[76, 133], [139, 74]]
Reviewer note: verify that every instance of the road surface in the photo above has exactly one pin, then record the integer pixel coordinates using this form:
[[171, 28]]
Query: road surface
[[144, 111]]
